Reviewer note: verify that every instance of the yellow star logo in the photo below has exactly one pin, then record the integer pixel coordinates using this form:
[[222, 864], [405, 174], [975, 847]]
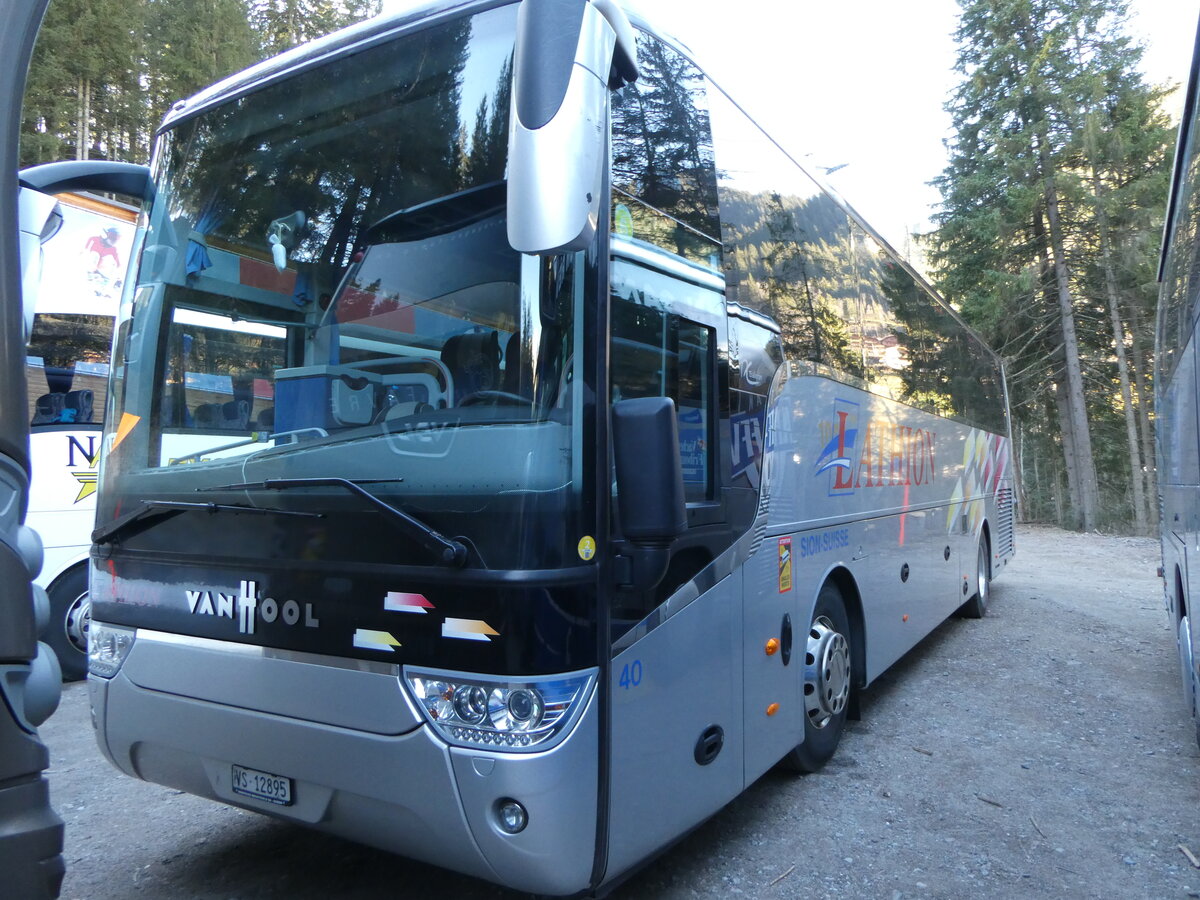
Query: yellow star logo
[[87, 483]]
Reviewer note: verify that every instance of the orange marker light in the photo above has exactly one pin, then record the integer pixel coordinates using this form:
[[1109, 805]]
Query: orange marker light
[[904, 617], [772, 709], [772, 647]]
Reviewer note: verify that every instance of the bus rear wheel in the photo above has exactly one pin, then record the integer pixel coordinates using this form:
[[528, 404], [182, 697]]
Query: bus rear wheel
[[976, 607], [828, 676], [1187, 668], [70, 617]]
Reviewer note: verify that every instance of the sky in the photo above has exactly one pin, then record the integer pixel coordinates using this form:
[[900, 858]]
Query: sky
[[862, 83]]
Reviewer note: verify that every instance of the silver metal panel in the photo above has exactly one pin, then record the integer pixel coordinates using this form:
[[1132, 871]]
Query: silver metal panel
[[395, 793], [246, 677], [669, 686], [555, 852], [910, 485], [772, 700]]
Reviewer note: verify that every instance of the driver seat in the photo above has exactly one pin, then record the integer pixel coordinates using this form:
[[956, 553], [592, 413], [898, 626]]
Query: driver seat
[[474, 362]]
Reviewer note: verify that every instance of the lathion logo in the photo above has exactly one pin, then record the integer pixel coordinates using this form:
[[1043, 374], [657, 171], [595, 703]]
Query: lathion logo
[[840, 436]]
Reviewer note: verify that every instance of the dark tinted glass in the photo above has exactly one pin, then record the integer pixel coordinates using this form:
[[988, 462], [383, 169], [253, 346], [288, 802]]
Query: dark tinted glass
[[67, 371], [664, 180]]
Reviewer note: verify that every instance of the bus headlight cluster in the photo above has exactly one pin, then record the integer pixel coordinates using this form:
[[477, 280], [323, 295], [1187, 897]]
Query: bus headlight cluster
[[477, 711]]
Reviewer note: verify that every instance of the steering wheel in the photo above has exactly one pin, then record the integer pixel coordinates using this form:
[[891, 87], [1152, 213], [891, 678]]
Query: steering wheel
[[495, 398]]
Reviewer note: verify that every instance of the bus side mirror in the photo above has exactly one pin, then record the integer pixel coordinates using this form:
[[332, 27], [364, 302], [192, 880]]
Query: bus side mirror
[[569, 54], [40, 218], [652, 509]]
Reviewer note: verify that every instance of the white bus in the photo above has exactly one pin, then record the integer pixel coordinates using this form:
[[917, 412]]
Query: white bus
[[582, 458], [67, 376], [1177, 416]]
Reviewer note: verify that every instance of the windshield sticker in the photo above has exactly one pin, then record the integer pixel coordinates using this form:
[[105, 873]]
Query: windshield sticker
[[127, 424], [587, 547], [365, 639], [397, 601], [468, 630]]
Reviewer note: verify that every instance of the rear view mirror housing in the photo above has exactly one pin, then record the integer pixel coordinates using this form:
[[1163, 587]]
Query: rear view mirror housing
[[40, 215], [569, 55], [40, 218], [652, 509]]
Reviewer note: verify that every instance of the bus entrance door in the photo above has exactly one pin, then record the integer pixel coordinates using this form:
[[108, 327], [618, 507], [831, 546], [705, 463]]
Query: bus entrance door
[[774, 657]]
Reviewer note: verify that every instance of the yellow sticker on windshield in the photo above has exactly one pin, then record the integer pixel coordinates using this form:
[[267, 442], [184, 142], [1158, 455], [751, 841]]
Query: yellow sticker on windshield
[[587, 547], [622, 221]]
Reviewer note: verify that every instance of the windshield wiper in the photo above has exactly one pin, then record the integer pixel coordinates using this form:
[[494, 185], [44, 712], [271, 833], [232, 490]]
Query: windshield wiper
[[110, 533], [448, 551]]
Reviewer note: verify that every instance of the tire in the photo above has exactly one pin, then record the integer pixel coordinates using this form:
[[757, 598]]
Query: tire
[[1187, 671], [70, 617], [828, 680], [976, 607]]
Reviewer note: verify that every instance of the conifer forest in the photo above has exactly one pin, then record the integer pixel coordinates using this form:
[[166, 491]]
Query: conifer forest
[[1046, 239]]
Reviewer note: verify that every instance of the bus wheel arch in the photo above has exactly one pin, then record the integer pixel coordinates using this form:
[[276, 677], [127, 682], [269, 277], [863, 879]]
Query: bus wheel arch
[[70, 619], [831, 671]]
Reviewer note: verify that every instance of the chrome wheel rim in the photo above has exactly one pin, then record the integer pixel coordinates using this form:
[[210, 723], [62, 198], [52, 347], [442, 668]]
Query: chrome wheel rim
[[1184, 636], [982, 584], [826, 673], [77, 622]]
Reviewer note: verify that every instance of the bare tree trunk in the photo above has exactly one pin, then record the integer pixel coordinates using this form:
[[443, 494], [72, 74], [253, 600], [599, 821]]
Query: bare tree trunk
[[1118, 327], [1066, 428], [1076, 409], [83, 109], [1022, 496], [1145, 396]]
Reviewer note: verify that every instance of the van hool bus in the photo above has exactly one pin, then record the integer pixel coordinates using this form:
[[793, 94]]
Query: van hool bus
[[512, 453]]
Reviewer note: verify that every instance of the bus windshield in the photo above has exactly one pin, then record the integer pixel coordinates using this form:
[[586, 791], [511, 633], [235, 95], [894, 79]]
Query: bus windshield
[[327, 277]]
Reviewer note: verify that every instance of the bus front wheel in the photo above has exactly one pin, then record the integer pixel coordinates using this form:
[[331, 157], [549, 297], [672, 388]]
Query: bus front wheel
[[70, 616], [827, 681]]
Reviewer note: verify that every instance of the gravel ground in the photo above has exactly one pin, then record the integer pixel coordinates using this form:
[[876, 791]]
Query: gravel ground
[[1041, 752]]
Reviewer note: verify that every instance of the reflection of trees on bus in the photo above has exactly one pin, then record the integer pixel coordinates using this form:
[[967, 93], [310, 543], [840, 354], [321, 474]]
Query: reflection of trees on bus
[[663, 166], [792, 258], [340, 184], [940, 365]]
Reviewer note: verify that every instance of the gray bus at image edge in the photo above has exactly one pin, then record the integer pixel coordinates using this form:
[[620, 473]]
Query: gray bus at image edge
[[1177, 416], [496, 675]]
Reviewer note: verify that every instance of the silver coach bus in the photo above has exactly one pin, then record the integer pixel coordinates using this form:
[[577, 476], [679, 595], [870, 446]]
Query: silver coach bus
[[1177, 417], [512, 454]]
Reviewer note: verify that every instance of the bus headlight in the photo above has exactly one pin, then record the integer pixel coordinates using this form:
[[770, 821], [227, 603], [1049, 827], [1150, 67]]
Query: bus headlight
[[108, 646], [500, 714]]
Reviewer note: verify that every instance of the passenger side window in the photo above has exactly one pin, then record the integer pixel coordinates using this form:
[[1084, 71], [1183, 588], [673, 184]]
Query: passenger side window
[[657, 352], [219, 374]]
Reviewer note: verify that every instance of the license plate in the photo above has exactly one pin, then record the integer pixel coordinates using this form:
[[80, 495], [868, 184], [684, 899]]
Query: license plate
[[262, 785]]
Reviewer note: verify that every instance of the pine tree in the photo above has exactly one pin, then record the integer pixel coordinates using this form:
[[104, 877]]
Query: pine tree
[[191, 44], [283, 24], [1028, 242], [84, 66]]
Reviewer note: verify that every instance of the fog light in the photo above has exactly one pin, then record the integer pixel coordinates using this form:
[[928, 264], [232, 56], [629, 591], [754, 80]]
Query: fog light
[[512, 816]]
